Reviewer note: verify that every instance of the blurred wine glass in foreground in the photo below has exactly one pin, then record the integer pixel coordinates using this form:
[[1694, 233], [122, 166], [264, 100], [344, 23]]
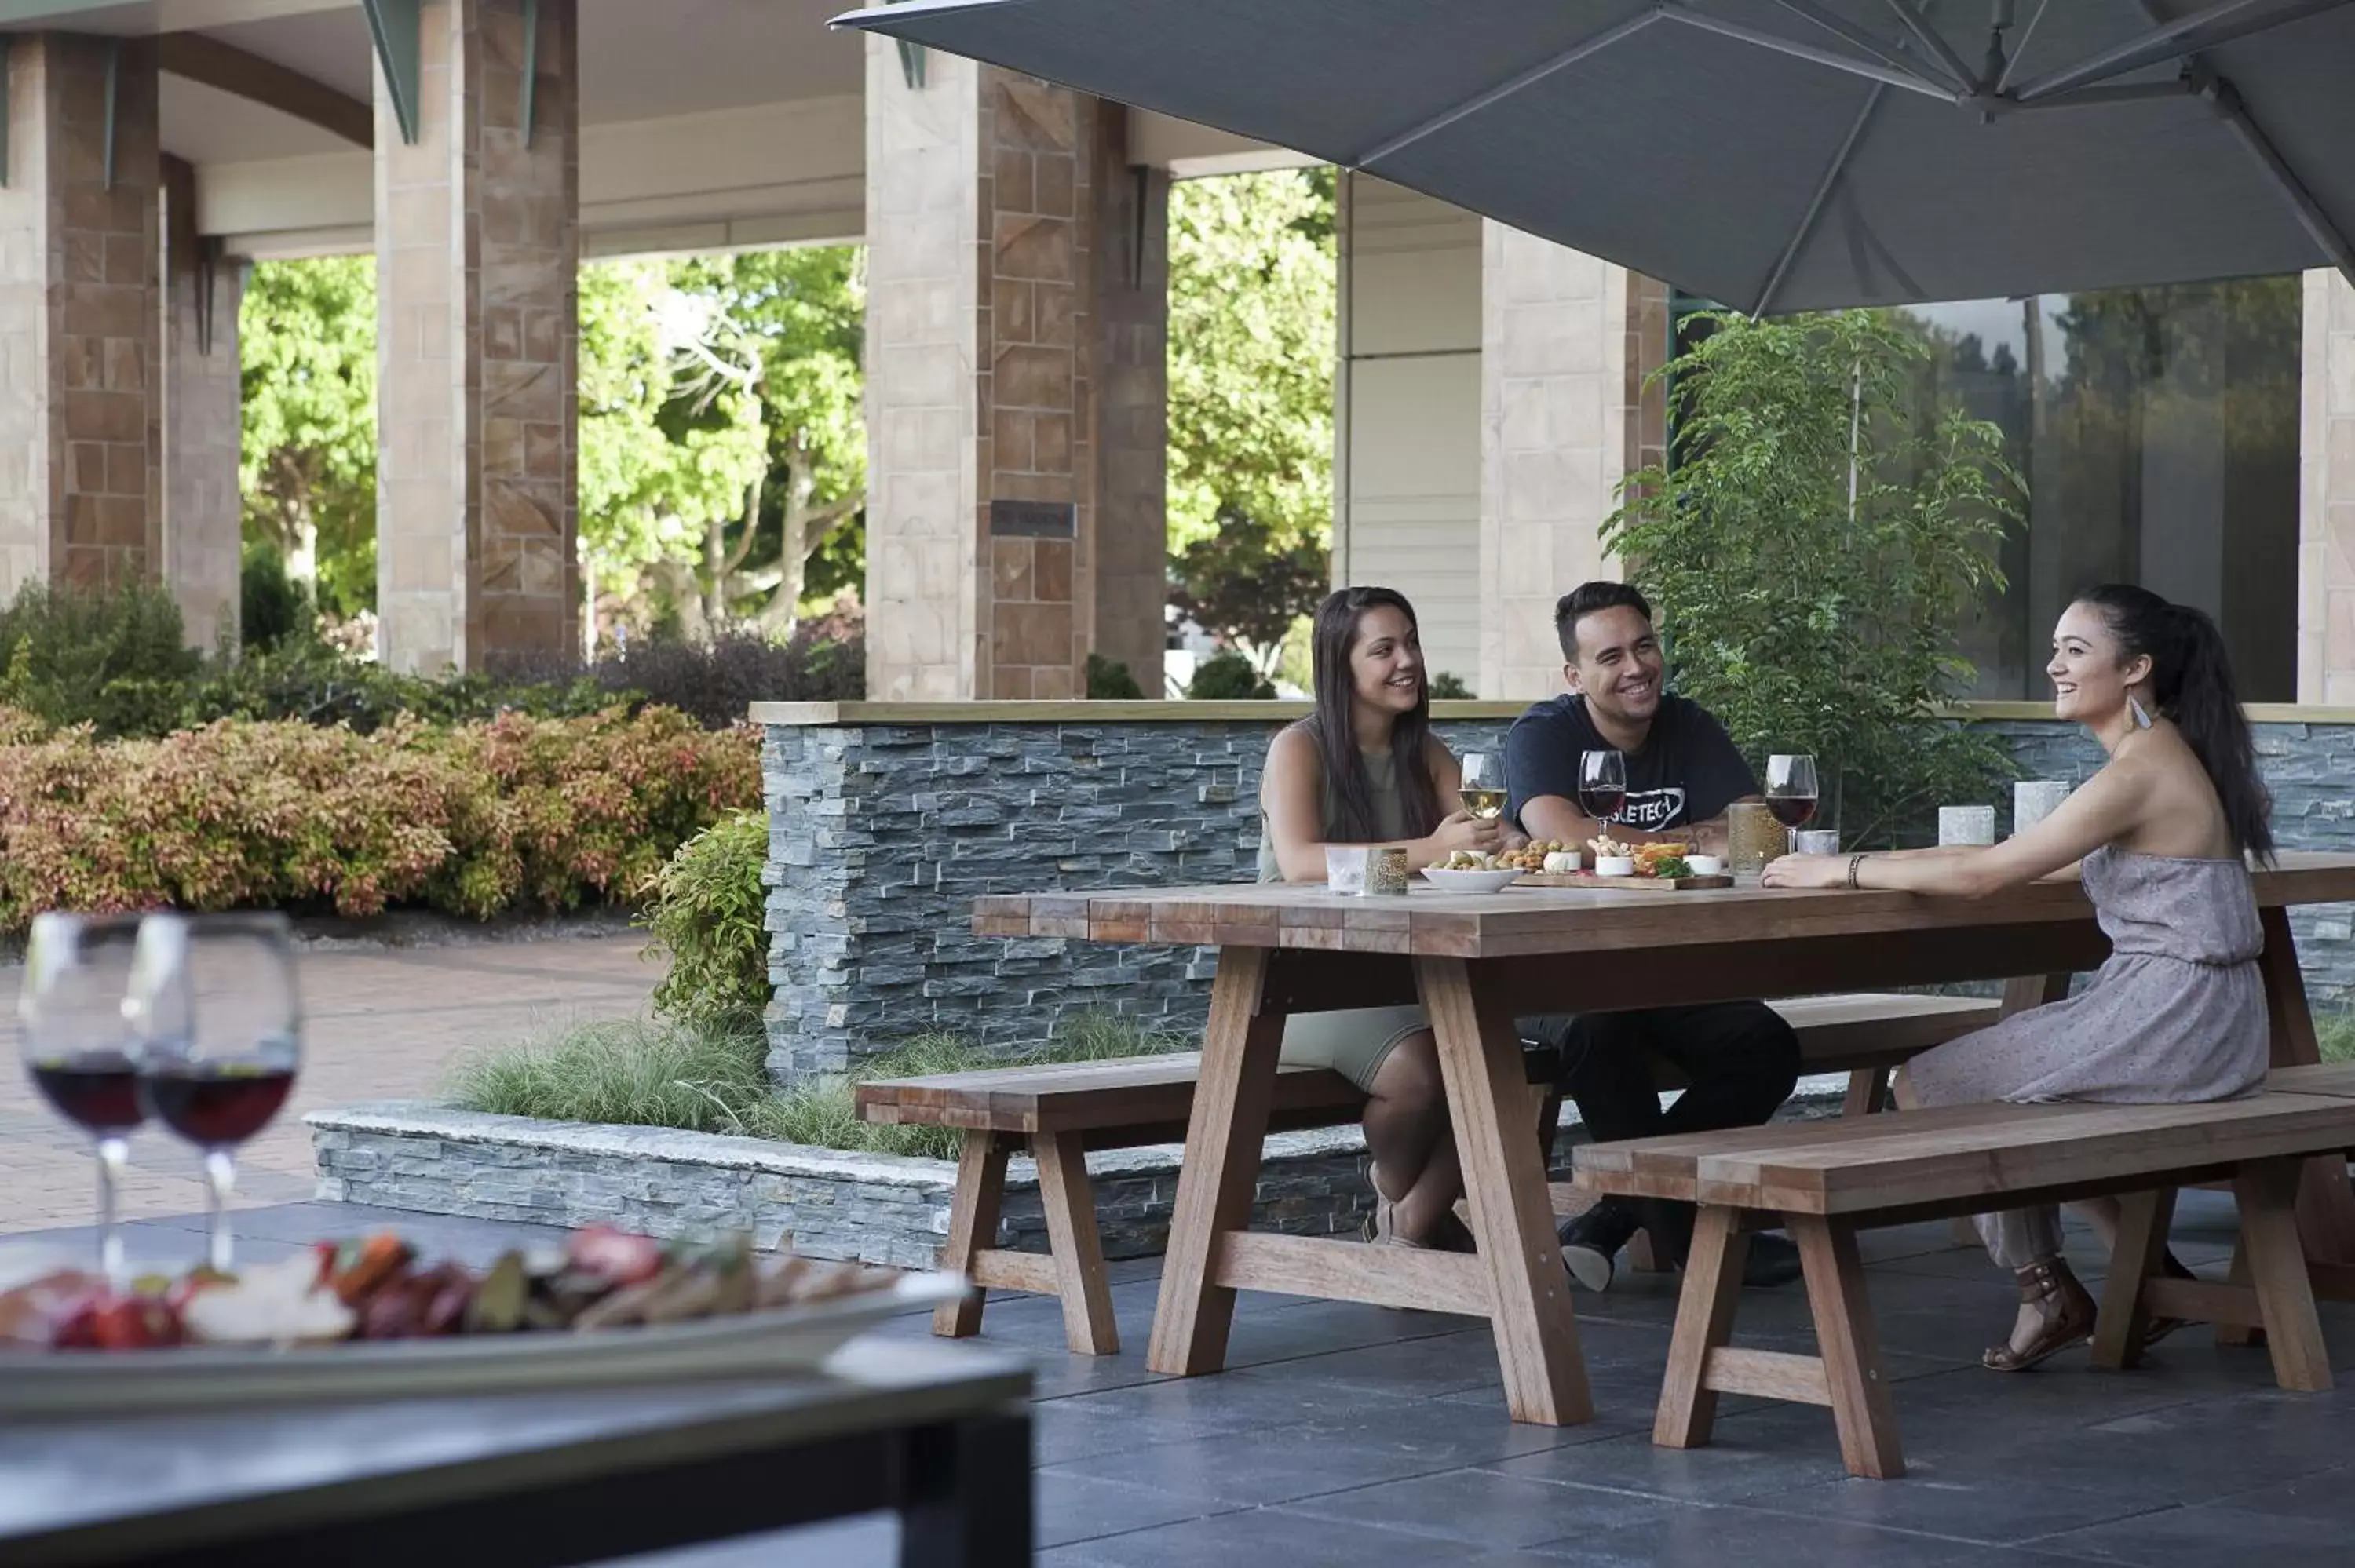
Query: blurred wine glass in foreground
[[81, 1048]]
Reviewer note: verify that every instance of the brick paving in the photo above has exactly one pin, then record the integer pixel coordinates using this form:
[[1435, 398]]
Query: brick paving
[[381, 1023]]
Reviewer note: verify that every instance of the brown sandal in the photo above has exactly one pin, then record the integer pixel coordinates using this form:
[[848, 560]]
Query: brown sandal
[[2157, 1329], [2068, 1314]]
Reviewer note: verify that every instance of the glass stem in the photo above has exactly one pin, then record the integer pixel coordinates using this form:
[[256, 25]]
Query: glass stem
[[112, 1153], [220, 1178]]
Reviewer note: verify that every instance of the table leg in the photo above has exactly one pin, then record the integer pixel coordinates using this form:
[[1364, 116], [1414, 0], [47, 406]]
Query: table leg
[[2326, 1201], [1512, 1215], [970, 1503], [1221, 1171]]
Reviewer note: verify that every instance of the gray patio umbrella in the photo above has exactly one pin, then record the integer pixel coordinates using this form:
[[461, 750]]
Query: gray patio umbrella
[[1772, 155]]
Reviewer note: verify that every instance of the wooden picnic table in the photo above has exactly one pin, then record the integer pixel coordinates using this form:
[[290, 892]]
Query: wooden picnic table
[[1476, 962]]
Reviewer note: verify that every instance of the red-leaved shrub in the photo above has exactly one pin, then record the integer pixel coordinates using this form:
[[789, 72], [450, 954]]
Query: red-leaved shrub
[[470, 820]]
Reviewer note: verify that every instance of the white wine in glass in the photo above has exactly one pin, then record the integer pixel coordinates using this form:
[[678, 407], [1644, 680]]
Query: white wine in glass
[[1482, 787]]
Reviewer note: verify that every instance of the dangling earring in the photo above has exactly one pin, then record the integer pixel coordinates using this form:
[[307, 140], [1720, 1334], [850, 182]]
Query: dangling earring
[[2141, 714]]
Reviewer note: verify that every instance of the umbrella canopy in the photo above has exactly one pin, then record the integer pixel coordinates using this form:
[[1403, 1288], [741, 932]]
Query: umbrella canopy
[[1772, 155]]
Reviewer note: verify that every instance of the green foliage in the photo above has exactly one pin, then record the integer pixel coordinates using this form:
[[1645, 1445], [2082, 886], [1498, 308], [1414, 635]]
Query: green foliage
[[712, 1077], [1109, 681], [2337, 1035], [111, 658], [306, 338], [303, 679], [1805, 620], [707, 919], [1445, 688], [470, 820], [1252, 340], [273, 607], [1227, 678], [1249, 583]]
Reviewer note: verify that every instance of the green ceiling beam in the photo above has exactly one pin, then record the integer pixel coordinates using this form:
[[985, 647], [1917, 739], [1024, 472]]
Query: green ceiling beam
[[394, 23]]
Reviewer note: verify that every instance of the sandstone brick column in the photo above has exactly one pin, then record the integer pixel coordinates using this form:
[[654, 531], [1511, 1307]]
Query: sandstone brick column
[[1005, 291], [1556, 387], [203, 409], [2326, 565], [477, 250], [81, 320]]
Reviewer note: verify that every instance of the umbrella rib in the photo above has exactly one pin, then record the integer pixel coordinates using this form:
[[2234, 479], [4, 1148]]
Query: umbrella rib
[[1935, 42], [1504, 90], [2319, 224], [1870, 69], [1815, 212], [1843, 29], [2218, 24], [2020, 49]]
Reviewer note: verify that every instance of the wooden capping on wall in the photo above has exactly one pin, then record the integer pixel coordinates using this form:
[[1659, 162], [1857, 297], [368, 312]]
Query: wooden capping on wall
[[828, 715]]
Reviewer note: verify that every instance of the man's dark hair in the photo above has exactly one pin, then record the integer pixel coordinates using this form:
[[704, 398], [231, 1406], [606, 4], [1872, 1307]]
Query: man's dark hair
[[1593, 598]]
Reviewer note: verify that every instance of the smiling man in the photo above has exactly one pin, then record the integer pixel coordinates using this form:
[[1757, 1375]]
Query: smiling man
[[1740, 1059]]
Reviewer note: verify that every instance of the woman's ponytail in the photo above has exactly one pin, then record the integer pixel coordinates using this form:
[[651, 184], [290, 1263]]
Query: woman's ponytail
[[2191, 684]]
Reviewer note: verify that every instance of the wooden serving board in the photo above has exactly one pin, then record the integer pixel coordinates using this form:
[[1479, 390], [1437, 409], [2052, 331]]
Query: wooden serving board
[[1620, 883]]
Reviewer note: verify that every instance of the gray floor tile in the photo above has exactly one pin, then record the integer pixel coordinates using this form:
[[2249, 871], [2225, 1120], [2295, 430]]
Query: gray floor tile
[[1999, 1511], [1268, 1536], [2325, 1495], [1080, 1508], [2211, 1537], [1728, 1471], [1743, 1537], [1485, 1508], [1251, 1468]]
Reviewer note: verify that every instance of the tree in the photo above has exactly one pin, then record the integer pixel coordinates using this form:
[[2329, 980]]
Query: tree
[[306, 338], [1813, 552], [1251, 339], [1248, 585]]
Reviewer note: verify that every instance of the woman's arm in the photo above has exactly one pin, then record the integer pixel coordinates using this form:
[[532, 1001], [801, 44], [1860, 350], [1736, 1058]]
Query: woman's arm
[[2109, 806], [1291, 794]]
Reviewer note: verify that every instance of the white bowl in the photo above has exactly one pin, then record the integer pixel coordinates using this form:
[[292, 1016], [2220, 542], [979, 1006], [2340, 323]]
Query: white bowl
[[1470, 881], [1615, 865], [1705, 865]]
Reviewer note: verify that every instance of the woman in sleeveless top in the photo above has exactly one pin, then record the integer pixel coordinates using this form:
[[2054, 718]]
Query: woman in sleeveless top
[[2162, 835], [1366, 769]]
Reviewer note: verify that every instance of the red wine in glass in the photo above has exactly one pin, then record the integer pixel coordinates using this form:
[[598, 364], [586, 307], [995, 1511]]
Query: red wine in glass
[[217, 1104], [1792, 811], [1603, 805], [98, 1091], [1601, 784]]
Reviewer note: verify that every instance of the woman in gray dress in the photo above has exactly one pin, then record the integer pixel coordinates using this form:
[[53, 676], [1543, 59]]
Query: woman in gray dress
[[2162, 834], [1366, 769]]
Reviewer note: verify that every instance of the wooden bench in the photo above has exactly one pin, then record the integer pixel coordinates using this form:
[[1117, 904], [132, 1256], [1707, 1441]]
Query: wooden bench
[[1061, 1111], [1824, 1182]]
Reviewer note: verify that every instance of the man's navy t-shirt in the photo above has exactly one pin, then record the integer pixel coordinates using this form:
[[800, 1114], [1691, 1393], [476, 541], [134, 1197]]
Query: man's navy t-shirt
[[1688, 772]]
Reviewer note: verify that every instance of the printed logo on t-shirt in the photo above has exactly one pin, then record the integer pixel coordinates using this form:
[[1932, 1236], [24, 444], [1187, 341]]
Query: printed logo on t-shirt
[[1649, 811]]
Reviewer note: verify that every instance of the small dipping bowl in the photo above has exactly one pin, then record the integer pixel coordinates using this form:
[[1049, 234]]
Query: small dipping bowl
[[1615, 865], [1705, 865]]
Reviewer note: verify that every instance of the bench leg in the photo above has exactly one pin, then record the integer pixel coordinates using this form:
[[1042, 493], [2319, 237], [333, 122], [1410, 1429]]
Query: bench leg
[[1704, 1323], [973, 1228], [1853, 1372], [1088, 1326], [2143, 1222], [1866, 1091], [2267, 1192]]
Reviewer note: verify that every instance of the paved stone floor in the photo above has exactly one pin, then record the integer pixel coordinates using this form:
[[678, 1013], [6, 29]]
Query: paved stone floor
[[381, 1023], [1361, 1438]]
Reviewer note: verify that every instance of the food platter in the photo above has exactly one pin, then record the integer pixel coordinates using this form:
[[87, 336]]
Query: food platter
[[767, 1342], [1587, 879]]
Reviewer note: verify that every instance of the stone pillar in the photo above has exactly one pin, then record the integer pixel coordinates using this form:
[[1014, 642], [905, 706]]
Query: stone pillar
[[477, 248], [2325, 563], [1555, 387], [80, 318], [989, 339], [203, 411]]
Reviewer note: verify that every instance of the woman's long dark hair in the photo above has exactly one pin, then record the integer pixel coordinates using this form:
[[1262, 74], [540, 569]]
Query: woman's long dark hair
[[2191, 684], [1333, 639]]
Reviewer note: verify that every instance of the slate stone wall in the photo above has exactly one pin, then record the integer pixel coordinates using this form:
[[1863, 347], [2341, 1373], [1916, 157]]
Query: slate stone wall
[[882, 835]]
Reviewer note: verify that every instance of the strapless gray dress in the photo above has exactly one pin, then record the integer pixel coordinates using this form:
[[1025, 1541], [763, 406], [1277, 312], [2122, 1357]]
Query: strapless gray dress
[[2178, 1013]]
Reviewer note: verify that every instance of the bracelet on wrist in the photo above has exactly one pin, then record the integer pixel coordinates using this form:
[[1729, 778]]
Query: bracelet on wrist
[[1855, 863]]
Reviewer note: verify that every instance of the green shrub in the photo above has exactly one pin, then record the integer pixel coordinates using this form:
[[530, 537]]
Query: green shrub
[[470, 820], [303, 679], [1226, 678], [2337, 1032], [273, 609], [711, 1077], [112, 658], [1445, 687], [707, 919], [1109, 681]]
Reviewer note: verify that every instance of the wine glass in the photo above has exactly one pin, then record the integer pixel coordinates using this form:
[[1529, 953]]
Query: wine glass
[[215, 1001], [1602, 785], [1482, 786], [1791, 792], [81, 1048]]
